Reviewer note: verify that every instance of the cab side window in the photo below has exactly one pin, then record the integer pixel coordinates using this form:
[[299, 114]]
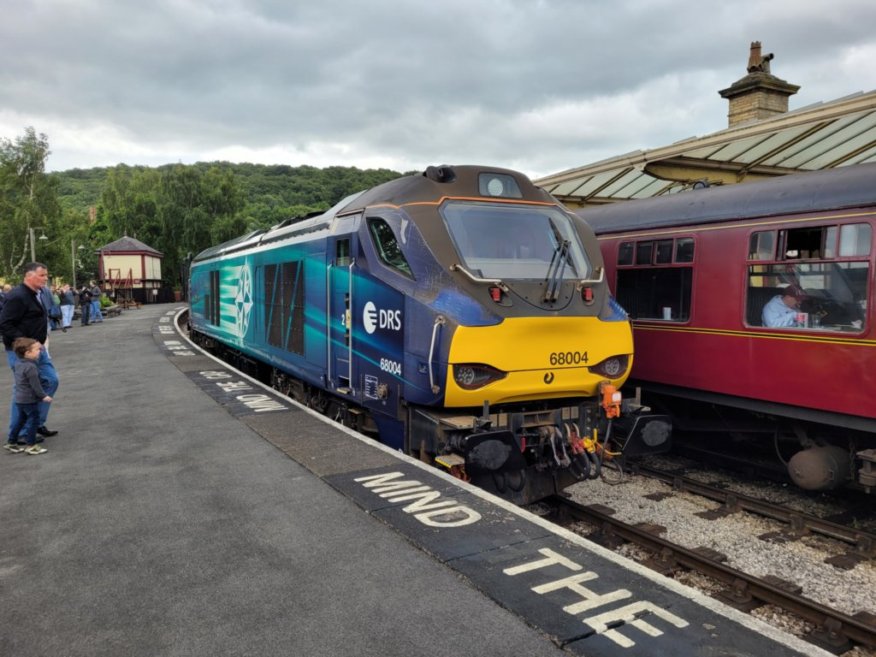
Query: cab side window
[[388, 249]]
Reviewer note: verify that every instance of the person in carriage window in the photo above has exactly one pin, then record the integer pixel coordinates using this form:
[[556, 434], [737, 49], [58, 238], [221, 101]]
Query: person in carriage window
[[782, 310]]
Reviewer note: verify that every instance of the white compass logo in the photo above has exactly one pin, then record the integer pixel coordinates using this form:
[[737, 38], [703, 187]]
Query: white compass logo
[[243, 300]]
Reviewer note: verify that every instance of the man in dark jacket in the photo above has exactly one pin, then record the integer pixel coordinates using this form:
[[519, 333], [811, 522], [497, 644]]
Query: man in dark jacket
[[24, 316]]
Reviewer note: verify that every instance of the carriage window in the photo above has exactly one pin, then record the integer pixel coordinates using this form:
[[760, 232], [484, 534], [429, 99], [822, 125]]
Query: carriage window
[[762, 246], [855, 240], [643, 253], [803, 243], [832, 295], [684, 249], [663, 254], [648, 291], [625, 253], [388, 248]]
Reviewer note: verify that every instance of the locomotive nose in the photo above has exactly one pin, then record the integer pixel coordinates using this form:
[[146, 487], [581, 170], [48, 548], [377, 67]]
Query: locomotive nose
[[536, 358]]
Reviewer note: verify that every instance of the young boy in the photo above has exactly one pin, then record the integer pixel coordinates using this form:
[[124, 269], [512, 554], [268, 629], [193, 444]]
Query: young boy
[[28, 394]]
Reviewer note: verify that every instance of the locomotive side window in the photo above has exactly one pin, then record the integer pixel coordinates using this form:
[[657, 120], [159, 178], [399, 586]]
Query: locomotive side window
[[387, 246], [655, 287], [821, 275]]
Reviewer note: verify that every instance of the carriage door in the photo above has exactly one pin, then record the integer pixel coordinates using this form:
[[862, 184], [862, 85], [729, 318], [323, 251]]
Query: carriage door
[[341, 364]]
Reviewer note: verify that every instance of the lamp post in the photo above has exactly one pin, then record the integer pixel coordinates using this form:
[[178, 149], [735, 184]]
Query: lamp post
[[73, 249], [32, 240]]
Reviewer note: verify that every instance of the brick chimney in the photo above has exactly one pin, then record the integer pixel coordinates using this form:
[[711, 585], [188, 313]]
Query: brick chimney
[[759, 95]]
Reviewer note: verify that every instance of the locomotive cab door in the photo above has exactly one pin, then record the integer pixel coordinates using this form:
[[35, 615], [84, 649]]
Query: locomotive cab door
[[341, 363]]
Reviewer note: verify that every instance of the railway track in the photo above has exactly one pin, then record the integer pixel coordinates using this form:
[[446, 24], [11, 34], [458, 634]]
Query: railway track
[[861, 543], [834, 630]]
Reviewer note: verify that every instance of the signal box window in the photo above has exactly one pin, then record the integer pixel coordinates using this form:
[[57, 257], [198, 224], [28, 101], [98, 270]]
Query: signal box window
[[828, 266], [387, 246], [656, 287]]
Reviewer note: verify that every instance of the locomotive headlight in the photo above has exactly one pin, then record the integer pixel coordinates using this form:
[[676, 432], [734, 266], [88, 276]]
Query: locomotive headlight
[[472, 376], [613, 367]]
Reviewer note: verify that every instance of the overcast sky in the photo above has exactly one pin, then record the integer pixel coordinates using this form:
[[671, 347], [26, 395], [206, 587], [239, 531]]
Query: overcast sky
[[535, 85]]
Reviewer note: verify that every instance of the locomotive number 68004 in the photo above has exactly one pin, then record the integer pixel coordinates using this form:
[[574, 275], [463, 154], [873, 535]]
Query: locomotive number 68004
[[422, 311]]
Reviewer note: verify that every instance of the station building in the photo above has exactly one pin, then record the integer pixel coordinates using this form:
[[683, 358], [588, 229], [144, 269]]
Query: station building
[[763, 139]]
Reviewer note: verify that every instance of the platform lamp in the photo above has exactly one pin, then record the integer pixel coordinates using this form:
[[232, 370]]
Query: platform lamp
[[30, 230], [73, 250]]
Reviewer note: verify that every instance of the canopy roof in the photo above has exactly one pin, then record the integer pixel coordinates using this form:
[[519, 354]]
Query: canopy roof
[[820, 136]]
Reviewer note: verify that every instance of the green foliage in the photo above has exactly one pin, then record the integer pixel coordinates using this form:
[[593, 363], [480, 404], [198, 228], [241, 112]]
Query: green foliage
[[28, 200], [176, 209]]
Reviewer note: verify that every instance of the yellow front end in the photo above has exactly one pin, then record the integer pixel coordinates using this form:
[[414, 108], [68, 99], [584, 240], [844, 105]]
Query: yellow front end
[[542, 358]]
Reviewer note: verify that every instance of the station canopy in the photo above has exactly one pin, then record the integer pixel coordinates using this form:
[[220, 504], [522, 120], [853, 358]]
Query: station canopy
[[821, 136]]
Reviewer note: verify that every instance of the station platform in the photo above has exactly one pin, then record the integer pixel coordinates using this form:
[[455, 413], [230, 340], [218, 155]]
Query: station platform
[[184, 509]]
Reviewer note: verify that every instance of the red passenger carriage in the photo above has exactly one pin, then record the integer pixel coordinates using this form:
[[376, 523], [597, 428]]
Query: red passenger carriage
[[695, 270]]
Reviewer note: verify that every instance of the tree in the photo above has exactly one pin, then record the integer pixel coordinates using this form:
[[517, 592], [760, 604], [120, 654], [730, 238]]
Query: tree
[[28, 200]]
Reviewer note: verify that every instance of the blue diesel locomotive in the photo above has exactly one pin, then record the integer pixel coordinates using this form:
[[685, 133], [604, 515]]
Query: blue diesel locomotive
[[461, 315]]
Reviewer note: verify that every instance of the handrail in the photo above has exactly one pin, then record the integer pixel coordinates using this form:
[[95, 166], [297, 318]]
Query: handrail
[[350, 327], [478, 279], [439, 321], [328, 322]]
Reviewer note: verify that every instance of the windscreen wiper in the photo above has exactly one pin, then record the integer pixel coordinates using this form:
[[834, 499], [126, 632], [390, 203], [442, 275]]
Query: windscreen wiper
[[555, 272]]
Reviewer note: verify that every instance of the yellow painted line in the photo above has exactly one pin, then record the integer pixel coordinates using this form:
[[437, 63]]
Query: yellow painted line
[[753, 334]]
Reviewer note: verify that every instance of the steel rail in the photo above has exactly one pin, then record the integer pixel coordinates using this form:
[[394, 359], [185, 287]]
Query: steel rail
[[799, 522], [829, 620]]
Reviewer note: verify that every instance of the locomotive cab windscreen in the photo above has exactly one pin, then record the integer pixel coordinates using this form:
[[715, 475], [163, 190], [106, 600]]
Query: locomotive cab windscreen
[[523, 242]]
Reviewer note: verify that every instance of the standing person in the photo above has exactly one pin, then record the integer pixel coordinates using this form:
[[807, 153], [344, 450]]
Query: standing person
[[6, 289], [85, 304], [24, 316], [96, 317], [27, 395], [67, 303]]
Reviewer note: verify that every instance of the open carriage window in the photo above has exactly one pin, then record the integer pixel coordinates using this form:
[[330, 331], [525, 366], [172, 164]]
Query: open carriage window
[[819, 279]]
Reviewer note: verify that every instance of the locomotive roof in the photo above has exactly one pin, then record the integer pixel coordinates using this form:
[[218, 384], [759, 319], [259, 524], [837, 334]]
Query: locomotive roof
[[844, 187], [438, 182], [430, 186]]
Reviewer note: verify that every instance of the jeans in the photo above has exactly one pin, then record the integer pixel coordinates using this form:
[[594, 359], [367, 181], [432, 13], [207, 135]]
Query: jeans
[[85, 309], [28, 420], [95, 311], [48, 379]]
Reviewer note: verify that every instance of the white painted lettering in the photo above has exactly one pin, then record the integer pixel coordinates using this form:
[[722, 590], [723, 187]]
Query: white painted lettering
[[215, 374], [552, 559], [456, 516], [428, 507], [231, 386], [261, 403], [631, 615]]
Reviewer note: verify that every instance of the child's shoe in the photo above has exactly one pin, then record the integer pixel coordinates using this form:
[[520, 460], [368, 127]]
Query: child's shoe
[[14, 448], [35, 449]]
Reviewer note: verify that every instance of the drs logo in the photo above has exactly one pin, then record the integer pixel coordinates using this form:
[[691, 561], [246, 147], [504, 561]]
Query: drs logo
[[374, 318]]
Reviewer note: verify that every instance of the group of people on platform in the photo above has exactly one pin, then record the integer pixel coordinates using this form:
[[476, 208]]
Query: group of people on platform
[[28, 313]]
